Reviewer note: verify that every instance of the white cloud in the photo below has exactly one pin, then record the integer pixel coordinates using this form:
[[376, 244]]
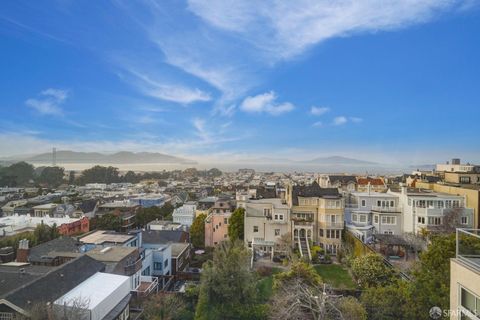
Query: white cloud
[[285, 29], [317, 124], [166, 91], [318, 111], [356, 119], [265, 102], [338, 121], [49, 102]]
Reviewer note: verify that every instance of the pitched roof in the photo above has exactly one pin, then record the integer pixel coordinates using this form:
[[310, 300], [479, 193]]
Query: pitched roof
[[13, 276], [53, 248], [343, 179], [372, 181], [313, 190], [164, 236], [55, 283]]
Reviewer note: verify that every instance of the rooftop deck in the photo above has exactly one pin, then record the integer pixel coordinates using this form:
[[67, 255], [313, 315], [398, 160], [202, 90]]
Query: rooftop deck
[[468, 247]]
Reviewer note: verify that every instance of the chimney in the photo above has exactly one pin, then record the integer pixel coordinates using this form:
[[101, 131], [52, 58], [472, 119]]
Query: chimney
[[23, 251], [403, 187]]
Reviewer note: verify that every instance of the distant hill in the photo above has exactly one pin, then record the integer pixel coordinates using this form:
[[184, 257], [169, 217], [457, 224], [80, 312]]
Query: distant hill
[[336, 160], [121, 157]]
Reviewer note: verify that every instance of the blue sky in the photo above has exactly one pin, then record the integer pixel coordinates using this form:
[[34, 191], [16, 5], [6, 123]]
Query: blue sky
[[388, 81]]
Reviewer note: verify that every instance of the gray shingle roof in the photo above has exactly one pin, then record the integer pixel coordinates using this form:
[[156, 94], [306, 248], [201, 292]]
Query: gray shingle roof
[[56, 283], [313, 190]]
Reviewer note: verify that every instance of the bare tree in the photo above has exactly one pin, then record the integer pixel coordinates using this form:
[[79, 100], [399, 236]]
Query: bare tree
[[284, 244], [73, 310], [417, 243], [297, 300]]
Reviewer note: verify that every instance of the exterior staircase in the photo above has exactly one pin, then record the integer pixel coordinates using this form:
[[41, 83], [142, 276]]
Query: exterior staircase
[[304, 248]]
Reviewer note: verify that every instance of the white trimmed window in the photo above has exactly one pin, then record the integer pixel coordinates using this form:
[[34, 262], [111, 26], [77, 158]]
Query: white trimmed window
[[389, 220]]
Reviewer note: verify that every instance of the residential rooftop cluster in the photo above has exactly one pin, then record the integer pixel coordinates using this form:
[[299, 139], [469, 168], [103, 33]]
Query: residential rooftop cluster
[[111, 246]]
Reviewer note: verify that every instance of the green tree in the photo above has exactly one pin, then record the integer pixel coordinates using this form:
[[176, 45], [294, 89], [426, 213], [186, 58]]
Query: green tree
[[166, 307], [197, 231], [166, 211], [387, 303], [236, 225], [108, 221], [351, 309], [17, 174], [71, 177], [370, 271], [299, 271], [228, 286], [51, 176], [431, 285], [131, 177], [99, 174]]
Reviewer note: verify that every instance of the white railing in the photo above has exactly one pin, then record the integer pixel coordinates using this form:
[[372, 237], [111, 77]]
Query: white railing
[[386, 209], [147, 279]]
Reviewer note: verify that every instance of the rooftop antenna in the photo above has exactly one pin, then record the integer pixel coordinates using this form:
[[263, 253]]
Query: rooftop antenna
[[54, 157]]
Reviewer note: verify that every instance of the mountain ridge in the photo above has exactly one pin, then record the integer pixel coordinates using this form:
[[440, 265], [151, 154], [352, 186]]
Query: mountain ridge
[[120, 157]]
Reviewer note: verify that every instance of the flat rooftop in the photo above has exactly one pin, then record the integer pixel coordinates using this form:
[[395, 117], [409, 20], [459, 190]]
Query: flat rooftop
[[95, 289], [110, 254], [102, 236]]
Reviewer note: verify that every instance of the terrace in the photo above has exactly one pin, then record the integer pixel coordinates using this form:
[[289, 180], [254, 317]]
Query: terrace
[[468, 247]]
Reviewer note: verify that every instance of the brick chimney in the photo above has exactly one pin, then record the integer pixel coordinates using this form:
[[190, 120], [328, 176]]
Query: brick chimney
[[23, 251]]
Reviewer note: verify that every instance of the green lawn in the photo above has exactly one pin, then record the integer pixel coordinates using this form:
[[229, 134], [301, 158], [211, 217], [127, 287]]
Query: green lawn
[[265, 285], [336, 276]]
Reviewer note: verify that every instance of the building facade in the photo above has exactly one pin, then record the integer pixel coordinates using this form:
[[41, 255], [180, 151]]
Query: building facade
[[317, 215], [465, 276], [266, 221]]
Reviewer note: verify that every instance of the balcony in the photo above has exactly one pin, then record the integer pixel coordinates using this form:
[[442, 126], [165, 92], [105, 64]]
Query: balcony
[[386, 209], [303, 222], [133, 267], [331, 225], [440, 212], [147, 285], [468, 247]]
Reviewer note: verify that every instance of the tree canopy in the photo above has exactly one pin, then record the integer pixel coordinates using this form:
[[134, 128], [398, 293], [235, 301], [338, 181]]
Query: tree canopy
[[16, 175], [197, 231], [236, 225], [228, 286], [51, 176], [99, 174], [370, 271]]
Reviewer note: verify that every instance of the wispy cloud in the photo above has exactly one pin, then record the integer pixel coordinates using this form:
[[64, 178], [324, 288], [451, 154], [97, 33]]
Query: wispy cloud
[[318, 111], [317, 124], [338, 121], [285, 29], [265, 103], [49, 102], [341, 120], [356, 119], [164, 90]]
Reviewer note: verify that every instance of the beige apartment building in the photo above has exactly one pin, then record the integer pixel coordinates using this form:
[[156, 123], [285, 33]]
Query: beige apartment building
[[266, 221], [317, 215], [465, 276], [470, 192]]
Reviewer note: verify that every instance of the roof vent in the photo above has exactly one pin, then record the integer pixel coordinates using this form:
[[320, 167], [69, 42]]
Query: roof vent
[[105, 250]]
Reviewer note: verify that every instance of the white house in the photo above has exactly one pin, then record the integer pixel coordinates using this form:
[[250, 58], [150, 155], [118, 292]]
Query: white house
[[370, 213], [185, 214], [101, 296], [425, 209]]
